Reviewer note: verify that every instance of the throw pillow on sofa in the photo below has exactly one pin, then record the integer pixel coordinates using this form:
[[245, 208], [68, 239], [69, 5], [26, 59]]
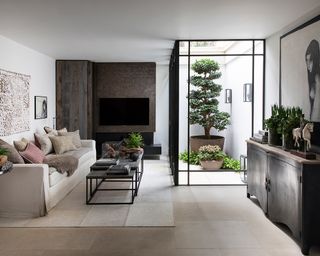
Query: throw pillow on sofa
[[43, 142], [75, 137], [13, 155], [32, 154], [21, 145], [54, 131], [62, 144]]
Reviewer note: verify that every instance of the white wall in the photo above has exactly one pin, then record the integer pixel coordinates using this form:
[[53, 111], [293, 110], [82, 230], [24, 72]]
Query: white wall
[[161, 136], [272, 61], [238, 72], [18, 58]]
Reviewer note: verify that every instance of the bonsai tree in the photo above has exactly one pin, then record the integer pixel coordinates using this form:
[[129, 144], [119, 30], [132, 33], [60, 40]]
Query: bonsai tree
[[203, 100]]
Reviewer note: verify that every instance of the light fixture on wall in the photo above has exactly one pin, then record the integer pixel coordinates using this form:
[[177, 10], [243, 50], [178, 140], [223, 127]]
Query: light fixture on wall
[[247, 92], [54, 122], [228, 96]]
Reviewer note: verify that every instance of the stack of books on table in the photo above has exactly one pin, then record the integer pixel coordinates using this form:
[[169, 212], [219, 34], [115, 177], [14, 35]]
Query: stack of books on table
[[261, 137]]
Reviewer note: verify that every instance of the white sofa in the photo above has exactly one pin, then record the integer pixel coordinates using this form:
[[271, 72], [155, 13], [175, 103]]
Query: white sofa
[[31, 190]]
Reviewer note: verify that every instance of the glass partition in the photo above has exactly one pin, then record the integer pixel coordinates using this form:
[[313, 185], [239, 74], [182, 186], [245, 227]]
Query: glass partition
[[241, 65]]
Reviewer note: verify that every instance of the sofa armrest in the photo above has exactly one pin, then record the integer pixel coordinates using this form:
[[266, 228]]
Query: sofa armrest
[[89, 144], [24, 190]]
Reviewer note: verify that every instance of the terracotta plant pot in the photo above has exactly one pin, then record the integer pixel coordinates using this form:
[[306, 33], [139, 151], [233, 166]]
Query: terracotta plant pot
[[197, 141], [211, 164], [3, 159]]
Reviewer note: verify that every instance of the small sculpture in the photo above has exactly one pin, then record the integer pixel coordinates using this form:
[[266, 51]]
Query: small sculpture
[[296, 133], [306, 134]]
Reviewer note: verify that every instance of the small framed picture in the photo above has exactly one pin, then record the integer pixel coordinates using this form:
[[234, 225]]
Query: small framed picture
[[247, 92], [40, 107], [228, 96]]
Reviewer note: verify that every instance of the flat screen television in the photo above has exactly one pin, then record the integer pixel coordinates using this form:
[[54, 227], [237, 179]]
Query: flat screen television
[[124, 111]]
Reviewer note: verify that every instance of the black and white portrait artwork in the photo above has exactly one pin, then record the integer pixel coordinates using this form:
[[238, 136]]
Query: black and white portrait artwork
[[300, 69], [41, 104]]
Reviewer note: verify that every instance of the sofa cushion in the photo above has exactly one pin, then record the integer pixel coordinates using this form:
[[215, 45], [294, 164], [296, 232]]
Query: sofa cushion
[[43, 142], [74, 135], [20, 145], [62, 144], [32, 154], [13, 155], [54, 131], [78, 153]]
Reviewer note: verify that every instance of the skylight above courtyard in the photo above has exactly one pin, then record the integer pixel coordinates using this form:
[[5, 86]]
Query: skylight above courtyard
[[218, 47]]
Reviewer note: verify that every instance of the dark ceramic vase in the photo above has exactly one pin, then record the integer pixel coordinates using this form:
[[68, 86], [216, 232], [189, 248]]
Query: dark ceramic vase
[[274, 139]]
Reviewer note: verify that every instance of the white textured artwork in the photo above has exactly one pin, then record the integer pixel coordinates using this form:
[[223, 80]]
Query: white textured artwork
[[14, 102]]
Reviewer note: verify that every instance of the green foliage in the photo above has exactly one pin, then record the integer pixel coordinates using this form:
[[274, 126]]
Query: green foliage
[[194, 157], [210, 152], [203, 101], [4, 151], [291, 120], [278, 113], [230, 163], [134, 140]]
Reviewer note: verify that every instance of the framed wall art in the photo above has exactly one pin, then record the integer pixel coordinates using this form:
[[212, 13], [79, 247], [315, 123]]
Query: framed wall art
[[14, 102], [300, 69], [40, 108]]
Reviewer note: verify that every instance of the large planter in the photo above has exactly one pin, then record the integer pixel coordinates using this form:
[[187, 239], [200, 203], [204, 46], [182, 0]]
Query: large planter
[[274, 139], [197, 141], [211, 164]]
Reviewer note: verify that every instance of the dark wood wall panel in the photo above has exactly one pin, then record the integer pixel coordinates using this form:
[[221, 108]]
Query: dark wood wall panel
[[74, 96]]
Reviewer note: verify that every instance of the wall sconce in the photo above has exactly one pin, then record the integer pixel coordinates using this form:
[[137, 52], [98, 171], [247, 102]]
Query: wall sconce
[[247, 92], [228, 96], [54, 122]]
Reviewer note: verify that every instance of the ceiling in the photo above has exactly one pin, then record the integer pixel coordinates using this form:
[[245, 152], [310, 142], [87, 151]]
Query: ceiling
[[139, 30]]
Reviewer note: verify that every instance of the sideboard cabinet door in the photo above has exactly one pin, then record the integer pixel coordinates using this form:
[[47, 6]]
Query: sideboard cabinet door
[[257, 175], [284, 196]]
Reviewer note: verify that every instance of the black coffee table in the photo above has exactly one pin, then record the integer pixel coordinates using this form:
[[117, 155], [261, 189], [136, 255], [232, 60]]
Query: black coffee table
[[99, 174]]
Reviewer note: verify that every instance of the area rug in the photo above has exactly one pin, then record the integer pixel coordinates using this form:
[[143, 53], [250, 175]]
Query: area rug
[[152, 207]]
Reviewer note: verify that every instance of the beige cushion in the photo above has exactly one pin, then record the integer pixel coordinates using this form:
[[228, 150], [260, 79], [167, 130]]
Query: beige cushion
[[75, 137], [20, 145], [43, 142], [54, 131], [62, 144], [13, 155]]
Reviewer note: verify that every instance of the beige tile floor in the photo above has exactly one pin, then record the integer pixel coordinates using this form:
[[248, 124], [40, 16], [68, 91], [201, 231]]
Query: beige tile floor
[[215, 221]]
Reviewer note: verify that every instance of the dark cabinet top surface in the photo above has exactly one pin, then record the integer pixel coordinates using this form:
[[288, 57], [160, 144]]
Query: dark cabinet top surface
[[279, 151]]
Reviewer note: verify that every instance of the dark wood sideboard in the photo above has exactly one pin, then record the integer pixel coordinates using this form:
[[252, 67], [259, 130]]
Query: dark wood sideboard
[[288, 190]]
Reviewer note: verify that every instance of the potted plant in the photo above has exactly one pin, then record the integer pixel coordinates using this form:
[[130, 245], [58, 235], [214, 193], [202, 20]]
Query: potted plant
[[3, 156], [134, 142], [211, 157], [204, 104], [273, 124], [291, 121]]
